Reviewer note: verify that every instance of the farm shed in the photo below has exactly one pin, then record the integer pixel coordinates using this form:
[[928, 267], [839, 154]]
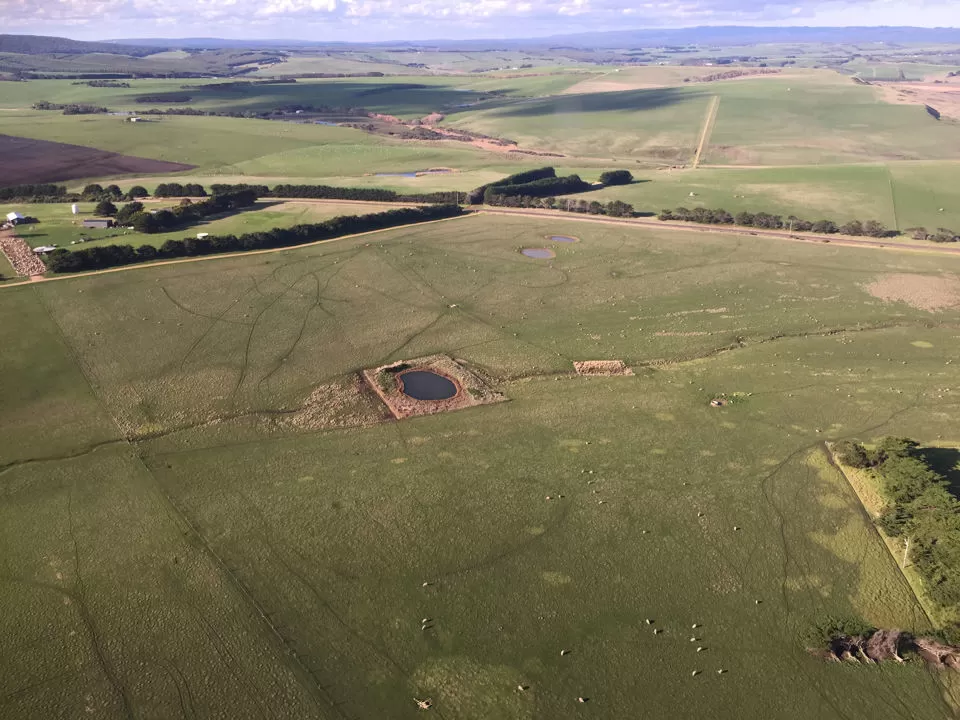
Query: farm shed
[[97, 223]]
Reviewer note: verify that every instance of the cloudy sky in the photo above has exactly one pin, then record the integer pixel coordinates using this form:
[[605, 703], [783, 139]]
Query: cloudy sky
[[425, 19]]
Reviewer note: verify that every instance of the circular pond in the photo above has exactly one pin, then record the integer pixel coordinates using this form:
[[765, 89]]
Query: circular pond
[[426, 385], [563, 238], [538, 253]]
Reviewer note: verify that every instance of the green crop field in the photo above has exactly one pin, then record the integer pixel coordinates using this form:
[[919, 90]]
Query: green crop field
[[203, 515], [58, 226]]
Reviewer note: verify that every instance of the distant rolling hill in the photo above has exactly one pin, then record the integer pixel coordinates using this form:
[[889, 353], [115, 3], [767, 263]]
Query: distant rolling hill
[[44, 45]]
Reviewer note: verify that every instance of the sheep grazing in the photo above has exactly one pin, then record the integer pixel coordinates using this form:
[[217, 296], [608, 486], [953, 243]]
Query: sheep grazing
[[694, 626], [701, 649], [424, 704], [657, 631], [721, 671], [582, 699], [649, 621], [699, 514], [523, 688], [695, 673], [564, 652]]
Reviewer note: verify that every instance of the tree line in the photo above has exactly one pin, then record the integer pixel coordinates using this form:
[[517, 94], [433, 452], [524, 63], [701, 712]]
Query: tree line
[[615, 208], [71, 108], [768, 221], [329, 192], [922, 510], [940, 235], [96, 258], [165, 190], [26, 192], [539, 183]]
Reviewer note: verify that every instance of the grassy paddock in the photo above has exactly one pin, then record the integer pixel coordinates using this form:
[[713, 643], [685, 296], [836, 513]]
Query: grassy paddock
[[314, 539], [59, 227]]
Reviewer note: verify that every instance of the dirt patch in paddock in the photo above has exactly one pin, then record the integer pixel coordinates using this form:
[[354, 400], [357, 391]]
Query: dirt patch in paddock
[[602, 368], [39, 161], [347, 403], [920, 291], [473, 388]]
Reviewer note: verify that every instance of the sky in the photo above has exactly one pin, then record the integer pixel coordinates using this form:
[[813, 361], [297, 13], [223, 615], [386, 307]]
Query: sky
[[375, 20]]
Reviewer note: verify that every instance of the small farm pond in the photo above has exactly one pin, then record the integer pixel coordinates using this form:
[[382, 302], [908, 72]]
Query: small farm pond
[[426, 385], [538, 253]]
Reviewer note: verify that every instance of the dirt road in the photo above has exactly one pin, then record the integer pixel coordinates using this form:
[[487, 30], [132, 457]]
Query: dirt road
[[842, 240]]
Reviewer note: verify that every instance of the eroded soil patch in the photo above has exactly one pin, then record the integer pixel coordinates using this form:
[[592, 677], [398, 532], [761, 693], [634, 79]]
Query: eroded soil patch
[[602, 367], [920, 291], [472, 389]]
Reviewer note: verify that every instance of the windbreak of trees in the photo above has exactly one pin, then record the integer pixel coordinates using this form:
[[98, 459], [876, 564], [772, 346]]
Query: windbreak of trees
[[96, 258], [767, 221], [178, 190], [477, 195], [922, 510], [328, 192], [31, 192], [189, 213], [72, 108], [615, 208], [940, 235]]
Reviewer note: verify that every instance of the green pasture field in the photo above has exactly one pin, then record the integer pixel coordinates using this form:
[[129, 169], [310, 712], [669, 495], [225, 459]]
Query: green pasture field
[[899, 195], [58, 226], [869, 70], [201, 515], [798, 119], [405, 96], [233, 146]]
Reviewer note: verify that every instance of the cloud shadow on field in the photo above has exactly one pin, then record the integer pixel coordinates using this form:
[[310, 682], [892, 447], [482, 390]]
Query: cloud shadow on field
[[629, 100]]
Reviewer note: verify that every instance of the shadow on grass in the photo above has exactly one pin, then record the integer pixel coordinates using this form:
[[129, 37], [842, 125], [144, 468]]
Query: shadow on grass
[[632, 100], [946, 462]]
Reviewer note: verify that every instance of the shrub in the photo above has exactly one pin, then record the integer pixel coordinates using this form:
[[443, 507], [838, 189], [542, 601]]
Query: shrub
[[105, 208], [617, 177]]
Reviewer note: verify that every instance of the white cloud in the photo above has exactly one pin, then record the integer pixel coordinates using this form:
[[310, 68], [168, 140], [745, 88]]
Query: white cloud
[[397, 19]]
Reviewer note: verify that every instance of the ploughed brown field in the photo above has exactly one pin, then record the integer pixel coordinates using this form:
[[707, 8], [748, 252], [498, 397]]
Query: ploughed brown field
[[38, 161]]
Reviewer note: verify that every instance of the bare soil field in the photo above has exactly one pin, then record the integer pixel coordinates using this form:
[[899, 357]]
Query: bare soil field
[[602, 367], [39, 161], [944, 97], [919, 291]]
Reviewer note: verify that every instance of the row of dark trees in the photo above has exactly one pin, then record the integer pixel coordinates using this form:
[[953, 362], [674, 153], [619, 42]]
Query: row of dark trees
[[95, 258], [940, 235], [540, 183], [329, 192], [922, 509], [165, 190], [72, 108], [27, 193], [615, 208], [768, 221], [97, 193]]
